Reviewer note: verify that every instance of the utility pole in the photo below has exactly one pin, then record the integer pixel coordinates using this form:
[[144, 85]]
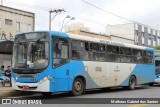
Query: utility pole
[[56, 11]]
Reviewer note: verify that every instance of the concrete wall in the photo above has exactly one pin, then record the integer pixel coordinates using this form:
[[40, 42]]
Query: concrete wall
[[121, 30]]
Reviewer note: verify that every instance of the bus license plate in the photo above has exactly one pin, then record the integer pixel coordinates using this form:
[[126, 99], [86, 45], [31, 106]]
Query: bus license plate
[[25, 87]]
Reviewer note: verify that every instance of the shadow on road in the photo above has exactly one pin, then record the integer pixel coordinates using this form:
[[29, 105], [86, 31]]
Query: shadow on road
[[35, 95], [155, 85]]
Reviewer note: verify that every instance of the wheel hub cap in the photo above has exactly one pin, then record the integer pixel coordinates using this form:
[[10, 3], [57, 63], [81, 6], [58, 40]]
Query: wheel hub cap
[[77, 86]]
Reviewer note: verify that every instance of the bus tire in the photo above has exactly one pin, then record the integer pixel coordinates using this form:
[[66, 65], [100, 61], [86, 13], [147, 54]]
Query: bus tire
[[132, 83], [77, 87]]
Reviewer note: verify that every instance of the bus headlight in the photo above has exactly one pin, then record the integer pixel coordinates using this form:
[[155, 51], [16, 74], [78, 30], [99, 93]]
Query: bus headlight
[[44, 79], [13, 80]]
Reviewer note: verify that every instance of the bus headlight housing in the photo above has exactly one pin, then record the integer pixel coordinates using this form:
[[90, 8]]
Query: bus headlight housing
[[44, 79], [13, 79]]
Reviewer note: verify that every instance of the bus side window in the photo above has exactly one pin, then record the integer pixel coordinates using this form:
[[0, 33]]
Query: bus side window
[[56, 51], [149, 54], [102, 48], [126, 55], [86, 46], [98, 53], [75, 55], [137, 56], [145, 59], [94, 50], [85, 53], [74, 45], [112, 49], [94, 47], [101, 54], [80, 50], [60, 51], [112, 53]]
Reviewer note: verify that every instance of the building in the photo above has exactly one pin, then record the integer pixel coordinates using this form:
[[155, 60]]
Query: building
[[14, 21], [80, 29], [134, 33], [93, 34], [76, 27]]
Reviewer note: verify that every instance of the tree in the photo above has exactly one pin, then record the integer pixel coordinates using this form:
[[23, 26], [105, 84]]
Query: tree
[[156, 47]]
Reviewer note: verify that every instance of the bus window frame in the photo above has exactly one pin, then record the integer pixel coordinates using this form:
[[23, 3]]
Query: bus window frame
[[153, 58]]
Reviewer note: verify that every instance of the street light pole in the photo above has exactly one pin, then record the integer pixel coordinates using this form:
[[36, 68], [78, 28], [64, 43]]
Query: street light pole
[[68, 16], [50, 18], [73, 18]]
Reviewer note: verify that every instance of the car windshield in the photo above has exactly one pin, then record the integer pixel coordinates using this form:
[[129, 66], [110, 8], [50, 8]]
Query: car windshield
[[30, 55]]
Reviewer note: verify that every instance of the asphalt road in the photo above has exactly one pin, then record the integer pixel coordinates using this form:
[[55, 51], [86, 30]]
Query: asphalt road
[[140, 92]]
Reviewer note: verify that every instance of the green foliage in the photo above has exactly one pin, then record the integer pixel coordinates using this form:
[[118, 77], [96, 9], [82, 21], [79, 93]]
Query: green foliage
[[157, 47]]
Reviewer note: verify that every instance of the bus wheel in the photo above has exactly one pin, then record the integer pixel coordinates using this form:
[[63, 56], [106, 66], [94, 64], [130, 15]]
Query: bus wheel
[[132, 83], [77, 87]]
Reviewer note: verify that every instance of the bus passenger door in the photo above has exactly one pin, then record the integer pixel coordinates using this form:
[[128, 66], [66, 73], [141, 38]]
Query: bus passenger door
[[61, 63]]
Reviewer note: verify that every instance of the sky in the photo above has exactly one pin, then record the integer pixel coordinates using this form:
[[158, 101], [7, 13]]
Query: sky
[[142, 11]]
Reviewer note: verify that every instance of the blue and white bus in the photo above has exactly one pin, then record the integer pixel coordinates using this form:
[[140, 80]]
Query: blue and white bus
[[50, 61]]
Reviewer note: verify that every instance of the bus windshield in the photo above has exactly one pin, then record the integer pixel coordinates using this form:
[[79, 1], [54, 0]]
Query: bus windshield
[[30, 55]]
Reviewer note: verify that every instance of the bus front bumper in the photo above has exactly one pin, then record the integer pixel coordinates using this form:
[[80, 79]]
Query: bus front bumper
[[37, 87], [157, 80]]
